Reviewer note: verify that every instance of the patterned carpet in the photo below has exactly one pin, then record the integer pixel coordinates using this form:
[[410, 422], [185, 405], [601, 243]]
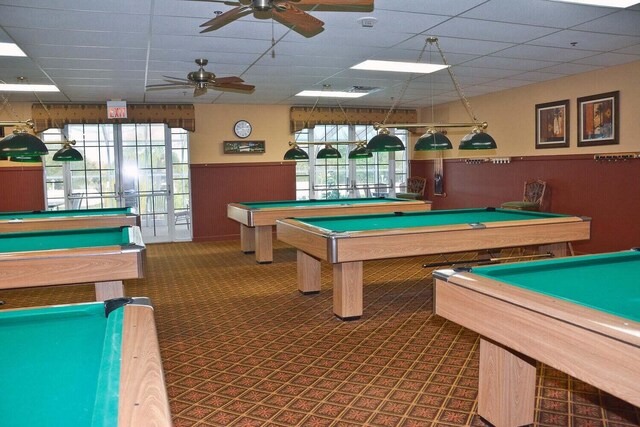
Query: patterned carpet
[[242, 347]]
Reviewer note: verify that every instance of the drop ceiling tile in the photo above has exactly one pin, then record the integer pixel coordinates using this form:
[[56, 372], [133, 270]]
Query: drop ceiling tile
[[492, 31], [509, 63], [542, 13], [438, 7], [537, 76], [65, 19], [631, 50], [119, 6], [91, 64], [543, 53], [68, 37], [586, 40], [451, 45], [623, 22], [570, 68], [608, 59]]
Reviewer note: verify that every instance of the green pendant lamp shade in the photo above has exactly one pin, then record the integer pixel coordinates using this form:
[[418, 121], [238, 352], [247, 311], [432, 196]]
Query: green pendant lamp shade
[[328, 152], [295, 153], [384, 141], [26, 159], [477, 140], [432, 141], [360, 152], [21, 143], [3, 157], [67, 154]]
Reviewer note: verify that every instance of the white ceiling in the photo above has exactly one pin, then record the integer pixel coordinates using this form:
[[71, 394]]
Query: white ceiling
[[95, 50]]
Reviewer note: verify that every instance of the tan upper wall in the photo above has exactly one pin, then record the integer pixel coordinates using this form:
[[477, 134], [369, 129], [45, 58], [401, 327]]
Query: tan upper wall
[[214, 124], [511, 114]]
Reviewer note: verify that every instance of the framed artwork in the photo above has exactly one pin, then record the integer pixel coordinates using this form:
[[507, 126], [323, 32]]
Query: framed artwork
[[598, 117], [244, 147], [552, 124]]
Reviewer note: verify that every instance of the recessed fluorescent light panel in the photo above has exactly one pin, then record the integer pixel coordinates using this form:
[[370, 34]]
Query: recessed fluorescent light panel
[[331, 94], [11, 49], [400, 67], [25, 87], [604, 3]]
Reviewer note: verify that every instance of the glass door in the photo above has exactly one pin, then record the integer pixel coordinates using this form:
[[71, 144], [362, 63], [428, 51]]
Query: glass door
[[126, 165]]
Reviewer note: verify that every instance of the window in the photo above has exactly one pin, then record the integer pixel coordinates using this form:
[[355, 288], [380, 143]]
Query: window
[[380, 175]]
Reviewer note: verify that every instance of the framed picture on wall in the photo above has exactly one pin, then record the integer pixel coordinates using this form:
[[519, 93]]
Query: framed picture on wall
[[598, 117], [244, 147], [552, 124]]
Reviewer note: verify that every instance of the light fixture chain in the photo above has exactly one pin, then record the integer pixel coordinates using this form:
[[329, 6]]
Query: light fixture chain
[[405, 86], [464, 99]]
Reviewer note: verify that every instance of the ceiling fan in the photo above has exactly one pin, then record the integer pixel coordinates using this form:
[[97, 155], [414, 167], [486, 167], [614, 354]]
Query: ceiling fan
[[287, 12], [202, 80]]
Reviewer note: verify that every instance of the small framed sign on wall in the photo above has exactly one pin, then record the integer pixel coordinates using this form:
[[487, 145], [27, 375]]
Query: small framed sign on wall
[[244, 147]]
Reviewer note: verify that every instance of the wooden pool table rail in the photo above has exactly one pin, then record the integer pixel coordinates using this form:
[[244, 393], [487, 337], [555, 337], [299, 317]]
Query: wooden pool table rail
[[106, 266], [143, 396], [347, 251], [256, 225], [519, 327], [68, 223]]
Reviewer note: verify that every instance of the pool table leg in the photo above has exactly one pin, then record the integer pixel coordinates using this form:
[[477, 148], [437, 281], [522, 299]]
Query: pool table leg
[[264, 244], [347, 290], [108, 290], [308, 274], [247, 239], [507, 385]]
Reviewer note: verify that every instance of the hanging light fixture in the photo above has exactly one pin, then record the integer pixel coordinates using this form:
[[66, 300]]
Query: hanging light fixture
[[433, 140], [384, 141], [295, 153], [360, 152], [67, 153], [477, 139], [26, 159], [21, 142], [328, 152]]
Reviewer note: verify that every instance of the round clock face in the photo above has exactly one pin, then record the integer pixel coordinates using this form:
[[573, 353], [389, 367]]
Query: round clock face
[[242, 129]]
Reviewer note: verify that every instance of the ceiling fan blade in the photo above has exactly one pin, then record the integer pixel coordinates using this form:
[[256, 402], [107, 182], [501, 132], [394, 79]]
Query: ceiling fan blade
[[223, 19], [167, 86], [303, 23], [239, 87], [227, 2], [224, 80], [175, 79], [198, 91], [335, 5]]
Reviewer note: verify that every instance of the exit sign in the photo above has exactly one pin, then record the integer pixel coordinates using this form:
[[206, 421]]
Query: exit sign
[[116, 109]]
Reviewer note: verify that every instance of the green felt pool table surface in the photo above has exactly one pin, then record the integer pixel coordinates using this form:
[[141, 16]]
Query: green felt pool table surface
[[60, 365], [4, 216], [82, 365], [64, 239], [606, 282], [323, 202], [423, 219]]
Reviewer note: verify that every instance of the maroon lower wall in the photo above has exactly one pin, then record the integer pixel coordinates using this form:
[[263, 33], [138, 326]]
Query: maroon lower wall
[[607, 192], [21, 189], [213, 186]]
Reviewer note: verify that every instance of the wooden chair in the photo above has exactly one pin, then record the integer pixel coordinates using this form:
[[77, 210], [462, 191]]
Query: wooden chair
[[531, 199], [415, 188]]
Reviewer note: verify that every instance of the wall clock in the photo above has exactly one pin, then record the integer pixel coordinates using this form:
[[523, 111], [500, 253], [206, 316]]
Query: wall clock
[[242, 128]]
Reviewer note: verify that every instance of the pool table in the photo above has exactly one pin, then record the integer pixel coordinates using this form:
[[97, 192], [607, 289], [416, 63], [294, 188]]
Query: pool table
[[580, 315], [92, 364], [258, 218], [104, 256], [347, 241], [13, 222]]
